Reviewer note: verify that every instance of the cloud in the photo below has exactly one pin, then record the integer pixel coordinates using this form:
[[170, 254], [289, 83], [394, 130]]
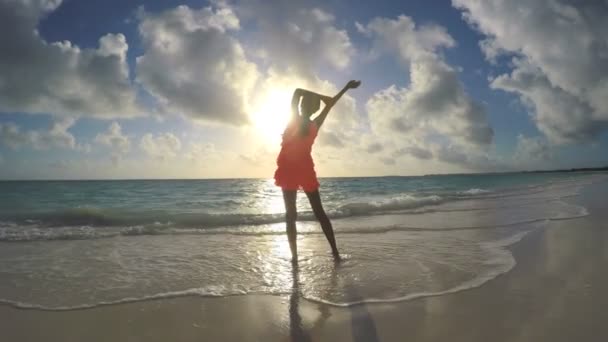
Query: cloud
[[161, 146], [405, 37], [561, 116], [434, 103], [252, 161], [471, 158], [329, 138], [57, 136], [259, 158], [388, 161], [434, 110], [559, 62], [374, 147], [199, 152], [114, 138], [532, 152], [451, 154], [11, 135], [344, 123], [297, 36], [213, 79], [37, 76], [193, 65], [415, 151]]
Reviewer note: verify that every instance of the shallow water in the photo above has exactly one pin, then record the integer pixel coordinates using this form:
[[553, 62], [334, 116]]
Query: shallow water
[[398, 242]]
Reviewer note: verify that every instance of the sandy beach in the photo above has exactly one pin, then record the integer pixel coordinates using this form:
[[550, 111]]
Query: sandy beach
[[556, 292], [302, 171]]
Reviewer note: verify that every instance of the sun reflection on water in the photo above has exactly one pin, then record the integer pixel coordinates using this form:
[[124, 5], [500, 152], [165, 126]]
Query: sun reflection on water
[[271, 197], [274, 254], [274, 258], [280, 247]]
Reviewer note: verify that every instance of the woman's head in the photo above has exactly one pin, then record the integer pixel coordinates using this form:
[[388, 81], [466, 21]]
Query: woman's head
[[309, 105]]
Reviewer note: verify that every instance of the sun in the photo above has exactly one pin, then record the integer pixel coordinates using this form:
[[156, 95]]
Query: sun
[[271, 114]]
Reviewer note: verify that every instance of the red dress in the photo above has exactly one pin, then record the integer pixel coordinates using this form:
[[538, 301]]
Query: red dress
[[295, 166]]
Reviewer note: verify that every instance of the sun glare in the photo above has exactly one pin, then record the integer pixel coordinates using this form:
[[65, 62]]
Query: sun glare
[[271, 114]]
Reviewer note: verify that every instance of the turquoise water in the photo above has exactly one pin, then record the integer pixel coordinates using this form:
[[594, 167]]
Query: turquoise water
[[76, 244], [152, 205]]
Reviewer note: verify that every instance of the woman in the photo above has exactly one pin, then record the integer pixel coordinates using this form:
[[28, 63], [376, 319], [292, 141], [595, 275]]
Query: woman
[[295, 166]]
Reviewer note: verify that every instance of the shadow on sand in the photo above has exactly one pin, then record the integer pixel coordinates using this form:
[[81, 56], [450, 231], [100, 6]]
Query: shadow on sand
[[296, 330], [363, 327]]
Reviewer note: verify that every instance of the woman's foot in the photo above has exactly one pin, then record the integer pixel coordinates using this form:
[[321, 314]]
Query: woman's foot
[[336, 255]]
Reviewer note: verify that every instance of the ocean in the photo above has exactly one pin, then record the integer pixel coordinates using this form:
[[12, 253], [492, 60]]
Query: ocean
[[78, 244]]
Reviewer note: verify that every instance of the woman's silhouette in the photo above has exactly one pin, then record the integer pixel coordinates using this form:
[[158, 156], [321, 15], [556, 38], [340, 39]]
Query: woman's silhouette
[[295, 166]]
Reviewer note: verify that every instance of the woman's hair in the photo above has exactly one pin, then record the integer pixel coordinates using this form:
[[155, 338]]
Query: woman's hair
[[310, 104]]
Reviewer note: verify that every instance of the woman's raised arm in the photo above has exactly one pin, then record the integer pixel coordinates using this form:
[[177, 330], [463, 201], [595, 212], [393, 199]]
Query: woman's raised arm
[[295, 101], [331, 101]]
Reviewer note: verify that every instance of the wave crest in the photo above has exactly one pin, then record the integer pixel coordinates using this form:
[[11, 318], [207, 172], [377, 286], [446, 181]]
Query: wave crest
[[109, 217]]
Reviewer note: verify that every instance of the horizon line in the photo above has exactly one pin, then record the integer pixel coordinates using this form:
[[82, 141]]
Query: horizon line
[[583, 169]]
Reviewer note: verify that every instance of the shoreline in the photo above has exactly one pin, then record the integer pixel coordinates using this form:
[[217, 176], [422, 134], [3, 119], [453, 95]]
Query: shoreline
[[553, 293]]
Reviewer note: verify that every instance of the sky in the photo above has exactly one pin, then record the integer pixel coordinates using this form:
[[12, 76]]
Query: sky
[[195, 89]]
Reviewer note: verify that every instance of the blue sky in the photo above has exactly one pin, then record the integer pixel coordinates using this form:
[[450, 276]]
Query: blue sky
[[196, 89]]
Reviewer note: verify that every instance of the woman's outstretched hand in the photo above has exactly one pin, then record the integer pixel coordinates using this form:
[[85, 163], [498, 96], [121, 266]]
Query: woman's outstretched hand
[[353, 84], [331, 101]]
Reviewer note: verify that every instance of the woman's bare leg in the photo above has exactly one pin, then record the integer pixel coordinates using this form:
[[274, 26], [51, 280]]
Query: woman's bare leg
[[317, 208], [291, 214]]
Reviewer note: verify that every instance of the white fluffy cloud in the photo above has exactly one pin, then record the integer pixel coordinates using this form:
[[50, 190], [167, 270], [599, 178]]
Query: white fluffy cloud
[[193, 65], [114, 138], [405, 37], [161, 146], [118, 142], [57, 136], [560, 60], [297, 35], [434, 112], [37, 76], [297, 41]]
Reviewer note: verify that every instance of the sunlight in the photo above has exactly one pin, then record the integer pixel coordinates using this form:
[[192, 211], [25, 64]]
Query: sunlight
[[271, 114], [272, 203], [280, 247]]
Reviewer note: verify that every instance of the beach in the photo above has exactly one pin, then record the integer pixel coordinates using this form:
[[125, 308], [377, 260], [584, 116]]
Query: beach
[[255, 170], [554, 290]]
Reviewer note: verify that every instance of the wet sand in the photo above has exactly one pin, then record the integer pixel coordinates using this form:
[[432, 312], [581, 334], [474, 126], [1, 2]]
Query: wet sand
[[557, 292]]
